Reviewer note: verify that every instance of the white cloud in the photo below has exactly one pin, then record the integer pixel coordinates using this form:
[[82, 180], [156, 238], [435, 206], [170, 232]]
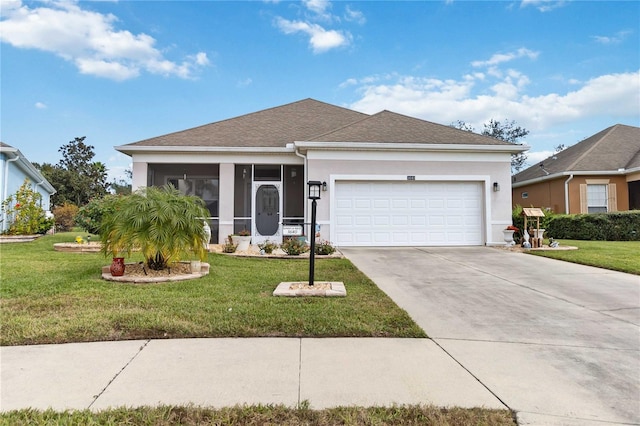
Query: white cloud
[[40, 105], [320, 8], [245, 83], [619, 37], [320, 39], [499, 58], [543, 5], [445, 101], [354, 16], [89, 40]]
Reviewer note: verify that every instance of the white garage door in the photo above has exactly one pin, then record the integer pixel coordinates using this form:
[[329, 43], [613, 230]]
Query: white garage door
[[408, 213]]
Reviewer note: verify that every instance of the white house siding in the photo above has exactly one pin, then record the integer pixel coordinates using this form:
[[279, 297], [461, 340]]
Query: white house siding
[[480, 170]]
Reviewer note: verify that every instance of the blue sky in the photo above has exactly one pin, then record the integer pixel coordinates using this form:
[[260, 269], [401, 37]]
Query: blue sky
[[122, 71]]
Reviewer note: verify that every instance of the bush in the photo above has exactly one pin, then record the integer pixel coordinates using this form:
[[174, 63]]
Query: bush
[[228, 246], [618, 226], [268, 246], [24, 214], [89, 217], [294, 246], [64, 216], [324, 247], [162, 223]]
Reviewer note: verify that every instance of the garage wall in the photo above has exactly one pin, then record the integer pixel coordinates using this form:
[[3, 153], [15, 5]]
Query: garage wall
[[486, 168]]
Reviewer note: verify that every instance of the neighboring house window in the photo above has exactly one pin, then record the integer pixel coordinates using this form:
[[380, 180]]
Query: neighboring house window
[[598, 196], [525, 195]]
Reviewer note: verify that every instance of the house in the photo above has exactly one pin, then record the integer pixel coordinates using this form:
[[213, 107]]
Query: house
[[15, 168], [599, 174], [387, 179]]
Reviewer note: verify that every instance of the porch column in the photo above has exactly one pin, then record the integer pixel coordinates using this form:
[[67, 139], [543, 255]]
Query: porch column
[[140, 170], [225, 203]]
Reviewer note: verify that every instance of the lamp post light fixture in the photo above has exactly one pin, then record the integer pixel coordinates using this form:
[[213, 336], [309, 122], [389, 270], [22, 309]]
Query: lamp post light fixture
[[314, 195]]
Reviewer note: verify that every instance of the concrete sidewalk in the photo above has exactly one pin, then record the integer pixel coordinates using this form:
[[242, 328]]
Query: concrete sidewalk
[[224, 372]]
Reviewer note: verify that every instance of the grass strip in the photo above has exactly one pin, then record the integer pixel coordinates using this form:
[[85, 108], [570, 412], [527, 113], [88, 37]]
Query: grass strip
[[264, 415], [623, 256]]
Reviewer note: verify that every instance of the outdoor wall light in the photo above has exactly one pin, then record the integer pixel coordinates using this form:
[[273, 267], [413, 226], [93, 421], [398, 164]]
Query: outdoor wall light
[[496, 187], [314, 189], [324, 186]]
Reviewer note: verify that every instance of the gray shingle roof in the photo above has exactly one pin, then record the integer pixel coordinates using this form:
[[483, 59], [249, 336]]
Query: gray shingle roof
[[274, 127], [310, 120], [616, 147], [391, 127]]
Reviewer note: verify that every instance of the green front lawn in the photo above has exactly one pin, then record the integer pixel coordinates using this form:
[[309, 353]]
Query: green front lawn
[[621, 256], [54, 297]]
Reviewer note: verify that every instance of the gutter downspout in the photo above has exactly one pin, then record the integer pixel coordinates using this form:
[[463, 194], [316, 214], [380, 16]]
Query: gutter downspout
[[566, 194], [6, 186], [306, 207]]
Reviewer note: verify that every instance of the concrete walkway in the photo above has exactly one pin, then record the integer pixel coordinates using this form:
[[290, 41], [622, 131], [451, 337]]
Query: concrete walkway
[[557, 342], [226, 372]]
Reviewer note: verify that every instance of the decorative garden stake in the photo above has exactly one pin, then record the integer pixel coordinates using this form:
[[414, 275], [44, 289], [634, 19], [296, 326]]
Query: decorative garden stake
[[314, 194]]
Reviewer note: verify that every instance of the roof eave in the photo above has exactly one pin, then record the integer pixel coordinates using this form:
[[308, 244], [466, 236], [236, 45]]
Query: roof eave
[[399, 146], [30, 170], [553, 176], [130, 150]]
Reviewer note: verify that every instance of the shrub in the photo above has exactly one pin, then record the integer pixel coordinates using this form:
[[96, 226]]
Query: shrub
[[268, 246], [294, 246], [23, 212], [161, 222], [618, 226], [89, 217], [64, 216], [228, 246], [324, 247]]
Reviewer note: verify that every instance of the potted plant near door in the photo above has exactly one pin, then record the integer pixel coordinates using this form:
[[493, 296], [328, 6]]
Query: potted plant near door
[[242, 240]]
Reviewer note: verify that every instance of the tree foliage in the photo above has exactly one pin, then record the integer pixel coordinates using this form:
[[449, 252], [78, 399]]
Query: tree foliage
[[161, 222], [507, 131], [76, 178], [24, 213]]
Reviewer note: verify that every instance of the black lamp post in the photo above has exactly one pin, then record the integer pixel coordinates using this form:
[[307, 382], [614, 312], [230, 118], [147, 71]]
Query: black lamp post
[[314, 194]]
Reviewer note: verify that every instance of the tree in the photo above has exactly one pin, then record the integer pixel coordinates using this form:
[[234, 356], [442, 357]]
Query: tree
[[161, 222], [511, 133], [122, 186], [507, 131], [76, 178], [23, 212]]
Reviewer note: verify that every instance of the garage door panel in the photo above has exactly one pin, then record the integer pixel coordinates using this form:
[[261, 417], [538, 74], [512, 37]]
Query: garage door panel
[[408, 213]]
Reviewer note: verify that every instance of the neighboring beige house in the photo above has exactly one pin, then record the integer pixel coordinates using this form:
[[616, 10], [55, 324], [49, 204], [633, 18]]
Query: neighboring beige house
[[599, 174], [389, 179]]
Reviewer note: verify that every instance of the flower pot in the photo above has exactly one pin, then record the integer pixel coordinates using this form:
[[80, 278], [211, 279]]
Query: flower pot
[[508, 236], [242, 242], [117, 267]]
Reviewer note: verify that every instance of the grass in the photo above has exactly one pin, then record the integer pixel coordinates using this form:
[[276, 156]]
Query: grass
[[621, 256], [264, 415], [55, 297]]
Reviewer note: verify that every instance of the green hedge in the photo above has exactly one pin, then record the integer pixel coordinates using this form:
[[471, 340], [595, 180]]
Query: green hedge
[[619, 226]]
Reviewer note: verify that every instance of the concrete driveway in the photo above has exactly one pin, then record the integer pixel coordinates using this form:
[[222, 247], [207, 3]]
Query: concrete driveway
[[558, 343]]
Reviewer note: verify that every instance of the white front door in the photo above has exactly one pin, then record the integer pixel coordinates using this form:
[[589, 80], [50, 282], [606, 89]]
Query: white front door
[[267, 206]]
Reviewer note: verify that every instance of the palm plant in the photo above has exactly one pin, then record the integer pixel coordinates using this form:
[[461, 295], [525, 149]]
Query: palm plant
[[162, 223]]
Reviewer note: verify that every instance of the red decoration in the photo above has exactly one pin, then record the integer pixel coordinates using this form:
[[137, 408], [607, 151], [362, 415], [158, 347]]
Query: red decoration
[[117, 267]]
